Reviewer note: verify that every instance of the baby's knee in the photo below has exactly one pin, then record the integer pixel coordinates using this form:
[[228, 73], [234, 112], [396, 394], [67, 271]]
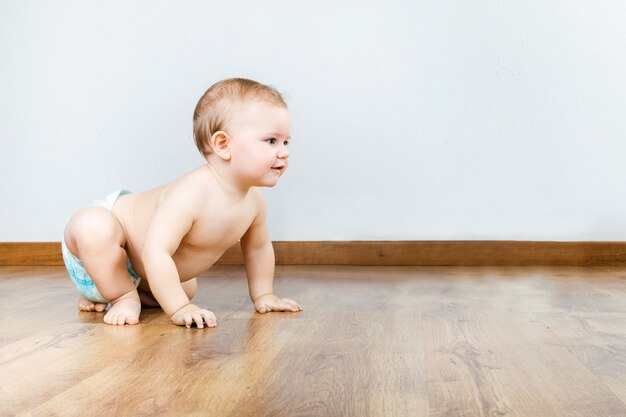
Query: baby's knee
[[190, 287], [94, 227]]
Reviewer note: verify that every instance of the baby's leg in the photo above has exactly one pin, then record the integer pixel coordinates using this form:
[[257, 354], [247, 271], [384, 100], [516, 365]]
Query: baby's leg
[[97, 238]]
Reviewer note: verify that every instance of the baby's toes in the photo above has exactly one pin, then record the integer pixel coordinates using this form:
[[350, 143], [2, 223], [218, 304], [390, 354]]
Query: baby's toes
[[86, 306], [110, 318]]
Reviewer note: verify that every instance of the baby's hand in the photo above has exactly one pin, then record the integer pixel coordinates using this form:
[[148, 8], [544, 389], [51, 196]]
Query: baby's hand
[[191, 313], [269, 302]]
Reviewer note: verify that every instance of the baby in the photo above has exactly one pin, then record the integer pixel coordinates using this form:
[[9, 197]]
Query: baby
[[146, 248]]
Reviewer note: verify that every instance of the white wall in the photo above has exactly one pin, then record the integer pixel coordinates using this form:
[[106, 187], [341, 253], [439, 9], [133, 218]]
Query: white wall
[[412, 119]]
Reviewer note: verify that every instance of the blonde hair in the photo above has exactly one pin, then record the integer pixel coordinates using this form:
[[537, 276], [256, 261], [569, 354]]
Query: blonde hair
[[218, 104]]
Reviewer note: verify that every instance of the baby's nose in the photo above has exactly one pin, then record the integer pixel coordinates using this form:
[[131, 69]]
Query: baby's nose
[[283, 153]]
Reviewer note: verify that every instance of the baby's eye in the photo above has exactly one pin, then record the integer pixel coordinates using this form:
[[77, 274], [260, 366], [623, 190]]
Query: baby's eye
[[271, 141], [286, 142]]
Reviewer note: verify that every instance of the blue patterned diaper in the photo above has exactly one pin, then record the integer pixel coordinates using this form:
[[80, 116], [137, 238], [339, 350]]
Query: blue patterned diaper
[[77, 272]]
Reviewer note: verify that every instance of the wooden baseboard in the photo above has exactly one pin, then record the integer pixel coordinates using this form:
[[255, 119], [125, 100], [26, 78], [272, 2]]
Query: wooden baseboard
[[384, 253]]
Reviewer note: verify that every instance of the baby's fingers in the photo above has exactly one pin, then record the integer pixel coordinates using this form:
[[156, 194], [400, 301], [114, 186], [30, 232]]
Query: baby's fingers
[[188, 320], [291, 305], [198, 318], [280, 305], [209, 318]]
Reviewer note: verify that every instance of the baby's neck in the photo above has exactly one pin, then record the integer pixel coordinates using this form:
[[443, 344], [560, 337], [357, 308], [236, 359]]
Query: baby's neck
[[229, 187]]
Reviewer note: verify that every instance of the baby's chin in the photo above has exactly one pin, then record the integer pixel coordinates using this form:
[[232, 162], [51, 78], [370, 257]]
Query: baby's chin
[[272, 180], [269, 183]]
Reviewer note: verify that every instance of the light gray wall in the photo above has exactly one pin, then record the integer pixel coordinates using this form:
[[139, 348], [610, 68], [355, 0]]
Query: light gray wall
[[412, 119]]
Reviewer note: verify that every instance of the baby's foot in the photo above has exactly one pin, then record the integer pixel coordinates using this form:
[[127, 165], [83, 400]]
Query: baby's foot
[[125, 309], [85, 304]]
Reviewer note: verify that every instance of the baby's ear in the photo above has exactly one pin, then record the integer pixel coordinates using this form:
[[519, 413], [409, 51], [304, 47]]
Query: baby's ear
[[220, 143]]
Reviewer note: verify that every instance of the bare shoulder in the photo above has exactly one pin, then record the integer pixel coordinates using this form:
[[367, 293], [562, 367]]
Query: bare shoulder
[[188, 193]]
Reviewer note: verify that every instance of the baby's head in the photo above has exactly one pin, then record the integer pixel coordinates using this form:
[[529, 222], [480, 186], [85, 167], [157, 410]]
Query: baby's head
[[222, 102], [242, 128]]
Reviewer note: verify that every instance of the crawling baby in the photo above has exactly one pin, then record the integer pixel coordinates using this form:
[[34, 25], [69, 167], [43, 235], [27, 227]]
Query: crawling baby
[[146, 248]]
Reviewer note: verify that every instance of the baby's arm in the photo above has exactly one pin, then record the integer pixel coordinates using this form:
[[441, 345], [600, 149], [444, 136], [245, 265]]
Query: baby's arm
[[171, 222], [259, 259]]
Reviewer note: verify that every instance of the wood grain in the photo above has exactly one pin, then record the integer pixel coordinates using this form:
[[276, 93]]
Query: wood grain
[[385, 253], [372, 341]]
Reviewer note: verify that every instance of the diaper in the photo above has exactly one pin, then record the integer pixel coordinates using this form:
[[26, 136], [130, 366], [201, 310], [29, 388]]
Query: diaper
[[77, 272]]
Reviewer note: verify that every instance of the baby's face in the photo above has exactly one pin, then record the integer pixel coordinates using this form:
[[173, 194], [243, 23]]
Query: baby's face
[[259, 136]]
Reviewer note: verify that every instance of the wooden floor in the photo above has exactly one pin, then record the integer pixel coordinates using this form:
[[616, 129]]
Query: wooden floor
[[372, 341]]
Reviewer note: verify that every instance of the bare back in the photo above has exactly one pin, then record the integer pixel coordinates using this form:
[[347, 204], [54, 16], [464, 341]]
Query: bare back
[[219, 222]]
